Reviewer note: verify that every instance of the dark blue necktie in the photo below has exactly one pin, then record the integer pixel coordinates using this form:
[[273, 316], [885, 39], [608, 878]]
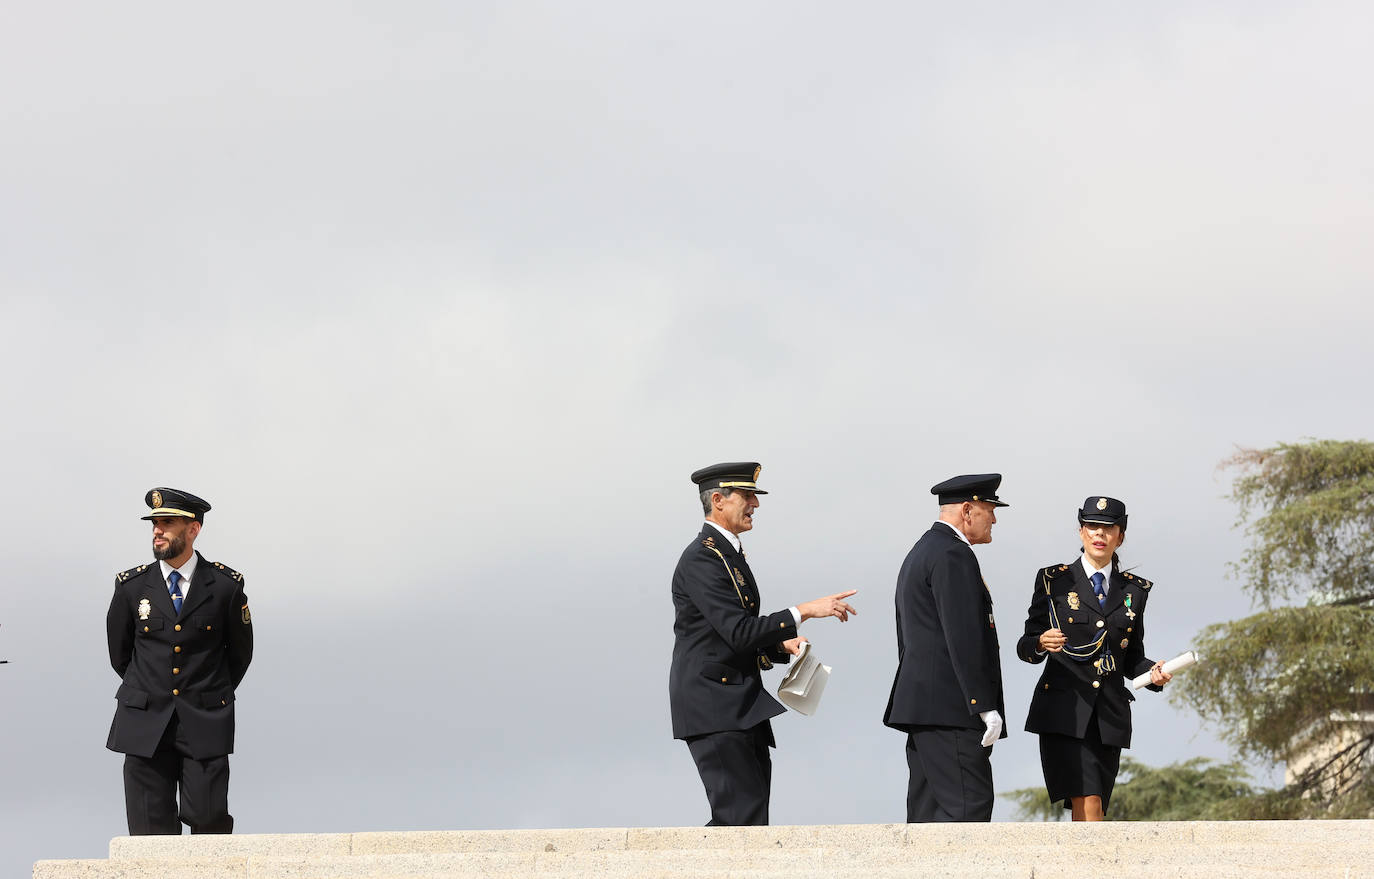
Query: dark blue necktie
[[1097, 588], [175, 579]]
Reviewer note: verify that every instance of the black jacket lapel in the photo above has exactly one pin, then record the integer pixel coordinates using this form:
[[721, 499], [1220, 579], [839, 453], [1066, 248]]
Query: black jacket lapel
[[1087, 598], [736, 565], [1116, 593], [154, 588], [202, 588]]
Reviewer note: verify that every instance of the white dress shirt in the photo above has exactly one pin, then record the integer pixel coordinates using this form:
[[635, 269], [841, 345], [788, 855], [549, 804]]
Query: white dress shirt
[[1105, 572], [734, 541]]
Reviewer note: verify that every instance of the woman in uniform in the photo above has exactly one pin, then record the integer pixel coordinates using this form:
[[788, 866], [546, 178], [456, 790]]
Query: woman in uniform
[[1087, 617]]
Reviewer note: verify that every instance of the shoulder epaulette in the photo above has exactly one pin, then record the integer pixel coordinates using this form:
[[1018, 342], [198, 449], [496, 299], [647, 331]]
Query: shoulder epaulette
[[124, 575], [1048, 574], [228, 570], [1139, 581]]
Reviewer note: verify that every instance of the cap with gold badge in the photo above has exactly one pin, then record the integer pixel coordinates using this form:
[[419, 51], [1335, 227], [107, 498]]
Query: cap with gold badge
[[169, 502], [741, 474], [1100, 510], [971, 487]]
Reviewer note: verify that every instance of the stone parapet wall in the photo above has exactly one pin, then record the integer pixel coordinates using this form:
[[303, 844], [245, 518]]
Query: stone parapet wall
[[1158, 850]]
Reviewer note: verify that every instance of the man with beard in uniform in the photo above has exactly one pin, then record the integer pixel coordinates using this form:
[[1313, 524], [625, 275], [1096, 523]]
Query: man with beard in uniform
[[715, 688], [947, 694], [180, 638]]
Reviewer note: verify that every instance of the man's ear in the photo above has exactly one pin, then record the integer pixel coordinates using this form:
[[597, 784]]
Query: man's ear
[[194, 529]]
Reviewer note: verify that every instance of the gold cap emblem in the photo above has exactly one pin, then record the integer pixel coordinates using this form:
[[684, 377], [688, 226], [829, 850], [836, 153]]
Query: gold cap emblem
[[157, 499], [757, 471], [1102, 503]]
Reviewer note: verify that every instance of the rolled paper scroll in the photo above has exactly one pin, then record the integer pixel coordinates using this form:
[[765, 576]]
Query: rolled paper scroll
[[1178, 663]]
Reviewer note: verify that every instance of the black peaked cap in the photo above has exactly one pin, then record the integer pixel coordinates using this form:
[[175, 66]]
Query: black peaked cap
[[740, 474], [168, 502], [1102, 511], [972, 487]]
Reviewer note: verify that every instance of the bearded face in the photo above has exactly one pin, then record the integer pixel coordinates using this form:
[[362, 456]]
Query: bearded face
[[170, 537]]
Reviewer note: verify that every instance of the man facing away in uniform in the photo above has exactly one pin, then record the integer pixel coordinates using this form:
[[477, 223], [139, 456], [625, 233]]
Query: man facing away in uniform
[[947, 694], [721, 644], [180, 638]]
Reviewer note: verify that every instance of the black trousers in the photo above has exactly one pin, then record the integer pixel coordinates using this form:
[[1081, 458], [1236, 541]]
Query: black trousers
[[737, 771], [151, 785], [951, 775]]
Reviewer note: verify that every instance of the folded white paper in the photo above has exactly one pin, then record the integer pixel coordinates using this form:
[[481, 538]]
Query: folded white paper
[[1178, 663], [801, 689]]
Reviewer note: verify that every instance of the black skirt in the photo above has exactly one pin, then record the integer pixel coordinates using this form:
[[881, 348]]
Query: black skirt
[[1079, 767]]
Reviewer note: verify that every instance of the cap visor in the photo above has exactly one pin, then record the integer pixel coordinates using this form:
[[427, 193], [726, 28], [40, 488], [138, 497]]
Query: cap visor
[[166, 513], [742, 486]]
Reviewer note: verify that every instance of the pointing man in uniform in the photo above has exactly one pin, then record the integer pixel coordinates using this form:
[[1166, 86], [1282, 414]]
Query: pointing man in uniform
[[947, 694], [180, 638], [720, 645]]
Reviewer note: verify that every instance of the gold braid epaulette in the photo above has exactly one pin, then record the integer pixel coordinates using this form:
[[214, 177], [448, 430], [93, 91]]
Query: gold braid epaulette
[[1048, 574], [235, 575]]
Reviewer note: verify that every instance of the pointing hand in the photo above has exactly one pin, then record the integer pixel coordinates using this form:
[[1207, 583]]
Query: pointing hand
[[830, 606]]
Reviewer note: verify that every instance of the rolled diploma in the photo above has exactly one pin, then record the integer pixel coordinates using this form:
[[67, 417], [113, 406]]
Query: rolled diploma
[[1178, 663]]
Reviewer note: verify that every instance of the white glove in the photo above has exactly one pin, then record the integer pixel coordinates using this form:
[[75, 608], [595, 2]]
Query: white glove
[[994, 724]]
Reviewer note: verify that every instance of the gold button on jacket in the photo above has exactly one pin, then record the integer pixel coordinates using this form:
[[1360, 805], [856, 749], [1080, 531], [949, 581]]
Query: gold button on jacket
[[1086, 683], [144, 630]]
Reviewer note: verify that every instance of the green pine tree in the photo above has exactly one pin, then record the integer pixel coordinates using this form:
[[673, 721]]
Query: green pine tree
[[1294, 682]]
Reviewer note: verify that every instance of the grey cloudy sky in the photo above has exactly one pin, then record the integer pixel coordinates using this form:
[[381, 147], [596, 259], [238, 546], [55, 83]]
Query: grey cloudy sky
[[439, 305]]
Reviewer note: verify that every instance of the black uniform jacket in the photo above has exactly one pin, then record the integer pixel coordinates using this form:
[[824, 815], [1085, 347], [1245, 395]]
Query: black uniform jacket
[[188, 663], [948, 667], [720, 641], [1070, 688]]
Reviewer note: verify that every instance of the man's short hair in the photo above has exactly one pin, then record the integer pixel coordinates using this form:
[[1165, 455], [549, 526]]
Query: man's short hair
[[706, 497]]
